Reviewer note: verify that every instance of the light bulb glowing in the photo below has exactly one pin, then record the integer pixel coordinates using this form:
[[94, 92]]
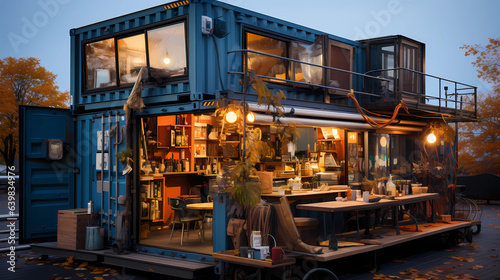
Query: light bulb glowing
[[166, 60], [431, 138], [231, 117], [250, 117]]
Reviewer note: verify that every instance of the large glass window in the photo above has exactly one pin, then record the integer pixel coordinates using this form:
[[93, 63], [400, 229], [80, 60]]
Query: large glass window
[[266, 65], [101, 64], [167, 51], [131, 57]]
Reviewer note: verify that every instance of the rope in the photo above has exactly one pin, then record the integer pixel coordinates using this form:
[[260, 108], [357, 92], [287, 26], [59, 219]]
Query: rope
[[372, 122]]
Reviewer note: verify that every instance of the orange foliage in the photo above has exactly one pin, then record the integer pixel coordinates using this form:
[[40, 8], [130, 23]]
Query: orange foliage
[[23, 81], [479, 149]]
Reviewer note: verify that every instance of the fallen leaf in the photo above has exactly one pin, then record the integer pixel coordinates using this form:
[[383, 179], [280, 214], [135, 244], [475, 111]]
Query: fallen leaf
[[150, 269], [449, 250], [463, 259], [492, 250], [447, 263], [494, 256], [473, 246], [379, 276], [84, 264], [475, 267], [80, 274], [497, 227], [98, 278]]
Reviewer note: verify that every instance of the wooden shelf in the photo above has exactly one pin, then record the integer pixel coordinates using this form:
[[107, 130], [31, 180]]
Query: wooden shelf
[[328, 140]]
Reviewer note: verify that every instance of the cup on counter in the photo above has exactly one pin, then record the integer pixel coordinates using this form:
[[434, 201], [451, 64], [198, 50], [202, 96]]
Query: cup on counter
[[366, 196]]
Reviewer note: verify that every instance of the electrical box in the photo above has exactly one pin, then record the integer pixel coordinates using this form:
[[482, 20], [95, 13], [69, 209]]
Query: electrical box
[[55, 149], [206, 25]]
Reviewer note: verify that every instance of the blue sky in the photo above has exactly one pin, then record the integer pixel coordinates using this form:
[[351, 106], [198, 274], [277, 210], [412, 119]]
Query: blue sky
[[40, 28]]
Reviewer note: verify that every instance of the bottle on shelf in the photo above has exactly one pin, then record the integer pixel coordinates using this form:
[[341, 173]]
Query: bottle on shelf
[[214, 166], [178, 137]]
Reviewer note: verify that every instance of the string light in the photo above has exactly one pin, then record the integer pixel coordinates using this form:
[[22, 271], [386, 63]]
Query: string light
[[431, 138], [250, 117], [231, 117]]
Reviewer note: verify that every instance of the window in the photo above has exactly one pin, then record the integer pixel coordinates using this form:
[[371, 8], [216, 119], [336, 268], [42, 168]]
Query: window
[[131, 57], [167, 51], [310, 53], [340, 56], [266, 65], [165, 56], [101, 68]]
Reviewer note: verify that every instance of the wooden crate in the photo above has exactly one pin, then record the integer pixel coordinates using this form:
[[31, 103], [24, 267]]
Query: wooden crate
[[71, 228]]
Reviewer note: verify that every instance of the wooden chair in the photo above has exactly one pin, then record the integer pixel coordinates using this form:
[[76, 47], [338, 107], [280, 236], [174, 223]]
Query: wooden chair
[[178, 206]]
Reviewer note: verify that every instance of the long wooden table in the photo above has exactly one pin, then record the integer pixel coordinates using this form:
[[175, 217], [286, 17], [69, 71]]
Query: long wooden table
[[301, 195], [354, 206]]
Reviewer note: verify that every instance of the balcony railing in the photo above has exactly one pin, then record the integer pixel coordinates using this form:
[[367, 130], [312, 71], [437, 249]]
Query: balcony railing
[[399, 84], [420, 89]]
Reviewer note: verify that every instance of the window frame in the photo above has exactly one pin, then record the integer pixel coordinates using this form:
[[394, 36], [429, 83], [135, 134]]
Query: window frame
[[130, 33], [276, 36], [344, 46]]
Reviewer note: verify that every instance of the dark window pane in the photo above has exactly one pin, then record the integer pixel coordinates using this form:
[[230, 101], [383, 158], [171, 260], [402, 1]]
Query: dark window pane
[[167, 51], [101, 68], [340, 58], [131, 57]]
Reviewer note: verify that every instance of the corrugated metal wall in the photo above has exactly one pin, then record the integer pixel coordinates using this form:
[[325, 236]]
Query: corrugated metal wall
[[202, 58]]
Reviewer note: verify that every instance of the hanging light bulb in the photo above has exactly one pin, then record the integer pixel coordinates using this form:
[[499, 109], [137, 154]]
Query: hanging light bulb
[[250, 117], [231, 117], [166, 60], [431, 138]]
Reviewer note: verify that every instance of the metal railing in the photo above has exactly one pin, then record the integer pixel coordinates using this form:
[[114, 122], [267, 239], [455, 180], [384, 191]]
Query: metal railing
[[428, 89], [355, 77], [386, 84]]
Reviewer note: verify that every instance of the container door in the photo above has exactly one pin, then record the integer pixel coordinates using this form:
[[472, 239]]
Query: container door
[[46, 170]]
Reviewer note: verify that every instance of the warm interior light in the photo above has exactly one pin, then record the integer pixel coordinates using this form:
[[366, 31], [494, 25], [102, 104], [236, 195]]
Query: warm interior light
[[352, 137], [166, 60], [383, 141], [431, 138], [231, 117], [335, 133], [250, 117]]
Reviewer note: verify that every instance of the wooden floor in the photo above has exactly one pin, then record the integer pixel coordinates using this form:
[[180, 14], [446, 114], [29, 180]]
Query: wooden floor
[[193, 244], [429, 260]]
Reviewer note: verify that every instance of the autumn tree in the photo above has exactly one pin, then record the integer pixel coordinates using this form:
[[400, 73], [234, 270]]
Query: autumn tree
[[23, 81], [479, 150]]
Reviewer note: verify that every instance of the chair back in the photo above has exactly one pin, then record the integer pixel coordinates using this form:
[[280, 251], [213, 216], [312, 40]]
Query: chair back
[[178, 205]]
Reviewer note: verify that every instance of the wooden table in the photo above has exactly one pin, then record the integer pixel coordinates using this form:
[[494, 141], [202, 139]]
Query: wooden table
[[231, 257], [347, 206], [203, 207], [354, 206], [300, 195]]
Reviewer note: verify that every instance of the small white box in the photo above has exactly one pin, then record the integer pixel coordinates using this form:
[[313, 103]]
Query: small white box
[[264, 251]]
